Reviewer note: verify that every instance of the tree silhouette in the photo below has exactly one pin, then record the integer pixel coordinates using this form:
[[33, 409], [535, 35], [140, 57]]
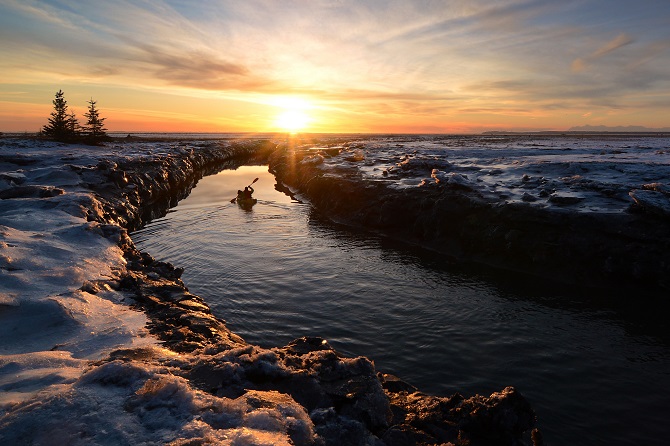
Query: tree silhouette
[[73, 124], [59, 127], [94, 127]]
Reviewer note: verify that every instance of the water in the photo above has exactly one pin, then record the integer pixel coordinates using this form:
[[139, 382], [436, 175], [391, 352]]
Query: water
[[595, 369]]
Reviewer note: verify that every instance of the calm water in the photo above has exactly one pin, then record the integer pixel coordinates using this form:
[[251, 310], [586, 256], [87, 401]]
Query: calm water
[[597, 372]]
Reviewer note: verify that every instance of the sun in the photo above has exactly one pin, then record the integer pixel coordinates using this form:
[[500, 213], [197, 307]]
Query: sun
[[292, 120], [293, 116]]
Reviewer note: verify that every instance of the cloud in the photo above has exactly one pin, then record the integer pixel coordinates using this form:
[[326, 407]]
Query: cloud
[[192, 68], [619, 41], [581, 63]]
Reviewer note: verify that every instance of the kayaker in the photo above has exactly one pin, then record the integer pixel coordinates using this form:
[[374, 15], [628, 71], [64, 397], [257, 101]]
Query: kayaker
[[246, 194]]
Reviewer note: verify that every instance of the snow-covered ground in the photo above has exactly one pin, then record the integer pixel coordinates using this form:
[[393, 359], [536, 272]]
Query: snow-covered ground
[[50, 328], [584, 173], [61, 313]]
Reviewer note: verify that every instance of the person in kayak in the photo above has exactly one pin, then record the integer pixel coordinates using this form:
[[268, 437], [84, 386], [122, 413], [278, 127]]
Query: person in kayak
[[246, 193]]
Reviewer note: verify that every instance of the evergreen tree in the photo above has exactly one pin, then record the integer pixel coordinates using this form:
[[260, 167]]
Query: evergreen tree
[[73, 124], [58, 127], [94, 127]]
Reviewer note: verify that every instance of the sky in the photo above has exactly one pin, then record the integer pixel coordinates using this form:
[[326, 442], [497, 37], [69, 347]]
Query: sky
[[449, 66]]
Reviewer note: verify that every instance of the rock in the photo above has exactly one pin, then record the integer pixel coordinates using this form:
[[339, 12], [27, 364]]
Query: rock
[[289, 416], [654, 202], [502, 417], [31, 192], [658, 187], [528, 197], [356, 156], [16, 178], [313, 159], [423, 419], [338, 430], [564, 200]]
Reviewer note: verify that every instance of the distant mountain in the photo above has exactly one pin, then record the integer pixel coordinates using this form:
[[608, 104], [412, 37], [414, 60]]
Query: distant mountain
[[619, 128]]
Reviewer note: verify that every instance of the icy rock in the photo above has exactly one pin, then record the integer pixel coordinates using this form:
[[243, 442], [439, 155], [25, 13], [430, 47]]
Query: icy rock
[[565, 200], [468, 218], [658, 187], [424, 419], [502, 416], [278, 412], [528, 197], [308, 370], [339, 430], [452, 178], [31, 192], [13, 177], [356, 155], [439, 176], [115, 373], [652, 201], [313, 159]]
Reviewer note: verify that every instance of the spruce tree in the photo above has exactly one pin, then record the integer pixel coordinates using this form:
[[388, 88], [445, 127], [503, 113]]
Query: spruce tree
[[58, 127], [94, 127], [73, 124]]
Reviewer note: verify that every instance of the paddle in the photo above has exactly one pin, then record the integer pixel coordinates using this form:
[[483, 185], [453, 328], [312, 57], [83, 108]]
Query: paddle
[[234, 199]]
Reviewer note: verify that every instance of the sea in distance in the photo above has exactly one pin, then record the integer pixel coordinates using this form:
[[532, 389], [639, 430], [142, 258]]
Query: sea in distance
[[594, 365]]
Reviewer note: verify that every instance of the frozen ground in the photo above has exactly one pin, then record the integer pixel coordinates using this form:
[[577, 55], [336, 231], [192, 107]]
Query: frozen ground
[[595, 173]]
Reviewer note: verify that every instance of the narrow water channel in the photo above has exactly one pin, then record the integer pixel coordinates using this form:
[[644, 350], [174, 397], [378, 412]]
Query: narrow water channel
[[276, 272]]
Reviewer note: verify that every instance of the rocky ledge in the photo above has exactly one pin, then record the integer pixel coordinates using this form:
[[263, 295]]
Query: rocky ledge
[[323, 397], [627, 251]]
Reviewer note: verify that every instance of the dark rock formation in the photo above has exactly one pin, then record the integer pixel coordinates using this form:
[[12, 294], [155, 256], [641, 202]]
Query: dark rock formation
[[423, 419]]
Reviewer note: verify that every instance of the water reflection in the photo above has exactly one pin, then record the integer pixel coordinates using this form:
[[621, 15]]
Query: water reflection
[[280, 272]]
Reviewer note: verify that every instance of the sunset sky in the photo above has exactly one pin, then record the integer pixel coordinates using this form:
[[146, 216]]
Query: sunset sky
[[338, 66]]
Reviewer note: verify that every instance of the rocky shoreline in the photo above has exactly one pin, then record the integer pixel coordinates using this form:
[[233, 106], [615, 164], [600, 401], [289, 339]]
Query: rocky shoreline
[[625, 251], [327, 399]]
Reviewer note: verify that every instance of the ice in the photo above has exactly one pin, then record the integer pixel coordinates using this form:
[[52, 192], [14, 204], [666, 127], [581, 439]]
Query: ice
[[127, 403], [51, 330], [589, 173]]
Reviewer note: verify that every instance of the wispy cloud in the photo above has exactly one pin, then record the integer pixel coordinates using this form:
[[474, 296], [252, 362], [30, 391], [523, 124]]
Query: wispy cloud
[[623, 39], [195, 68]]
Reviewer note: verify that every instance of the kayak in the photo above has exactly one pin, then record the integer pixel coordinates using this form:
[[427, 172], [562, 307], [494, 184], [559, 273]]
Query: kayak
[[246, 202]]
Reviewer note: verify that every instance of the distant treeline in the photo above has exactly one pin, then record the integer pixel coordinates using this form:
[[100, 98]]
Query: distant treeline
[[64, 126]]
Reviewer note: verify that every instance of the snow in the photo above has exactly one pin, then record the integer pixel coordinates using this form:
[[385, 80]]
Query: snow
[[48, 250], [588, 173], [61, 318]]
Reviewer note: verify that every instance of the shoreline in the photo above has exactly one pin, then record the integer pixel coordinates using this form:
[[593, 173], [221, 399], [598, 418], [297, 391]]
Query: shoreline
[[337, 400]]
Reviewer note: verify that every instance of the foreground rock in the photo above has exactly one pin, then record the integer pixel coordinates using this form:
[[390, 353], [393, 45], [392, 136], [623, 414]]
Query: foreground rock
[[213, 387]]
